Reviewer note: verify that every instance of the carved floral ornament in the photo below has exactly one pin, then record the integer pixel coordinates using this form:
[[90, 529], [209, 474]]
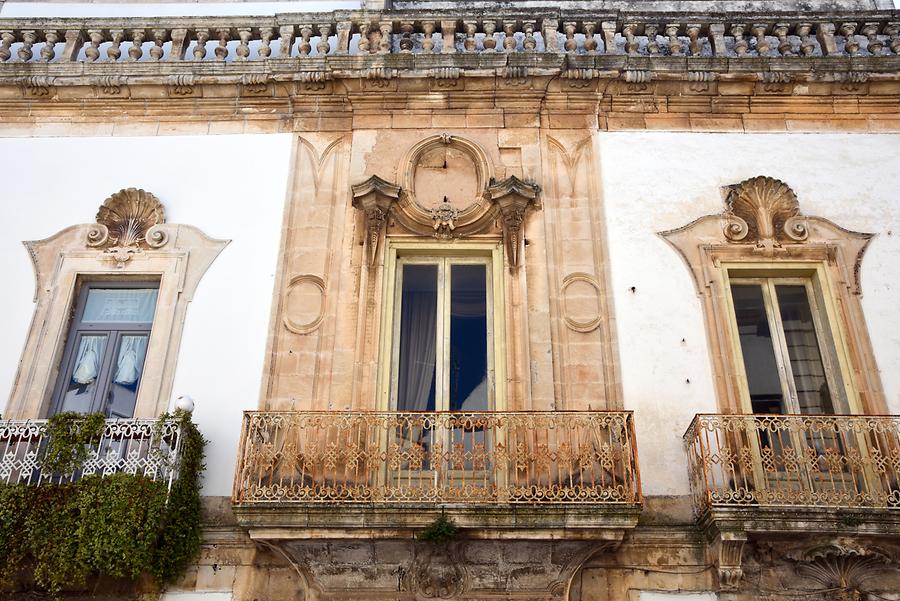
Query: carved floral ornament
[[127, 223], [493, 204]]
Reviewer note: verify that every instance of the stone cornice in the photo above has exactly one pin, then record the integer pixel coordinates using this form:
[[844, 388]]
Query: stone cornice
[[350, 62]]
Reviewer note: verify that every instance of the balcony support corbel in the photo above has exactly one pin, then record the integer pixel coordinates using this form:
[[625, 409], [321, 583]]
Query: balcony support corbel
[[726, 550]]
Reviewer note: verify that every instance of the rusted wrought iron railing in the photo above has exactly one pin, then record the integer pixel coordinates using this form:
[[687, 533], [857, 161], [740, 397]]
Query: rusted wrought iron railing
[[584, 457], [794, 460], [145, 447], [317, 35]]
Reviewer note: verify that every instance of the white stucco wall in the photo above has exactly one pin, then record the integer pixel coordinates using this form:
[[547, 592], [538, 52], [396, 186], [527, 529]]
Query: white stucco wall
[[231, 187], [658, 181]]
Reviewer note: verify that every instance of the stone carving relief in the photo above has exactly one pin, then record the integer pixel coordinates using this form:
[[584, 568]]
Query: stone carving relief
[[127, 223], [447, 191], [438, 572], [764, 211], [580, 293], [304, 304]]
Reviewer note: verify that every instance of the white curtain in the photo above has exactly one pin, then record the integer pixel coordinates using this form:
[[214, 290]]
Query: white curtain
[[418, 318], [130, 360], [87, 364]]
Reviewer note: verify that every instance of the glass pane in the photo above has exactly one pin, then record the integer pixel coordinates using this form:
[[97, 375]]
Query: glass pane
[[120, 305], [126, 375], [468, 338], [84, 372], [813, 395], [766, 395], [418, 337]]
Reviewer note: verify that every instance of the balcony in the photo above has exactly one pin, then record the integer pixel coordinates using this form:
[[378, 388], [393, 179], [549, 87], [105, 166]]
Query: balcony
[[144, 447], [529, 469], [787, 478]]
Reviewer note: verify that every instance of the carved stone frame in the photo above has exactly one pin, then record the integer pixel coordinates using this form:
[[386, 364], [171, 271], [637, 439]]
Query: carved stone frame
[[176, 255], [762, 230]]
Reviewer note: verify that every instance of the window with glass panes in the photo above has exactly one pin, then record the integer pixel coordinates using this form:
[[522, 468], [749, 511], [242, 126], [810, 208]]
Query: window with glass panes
[[106, 349]]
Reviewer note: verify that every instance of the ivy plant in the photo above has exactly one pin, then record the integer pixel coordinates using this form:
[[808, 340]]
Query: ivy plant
[[121, 525], [70, 435]]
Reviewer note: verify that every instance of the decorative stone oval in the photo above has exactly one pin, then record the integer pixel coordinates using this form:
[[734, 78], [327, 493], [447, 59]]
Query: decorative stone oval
[[580, 294], [304, 304]]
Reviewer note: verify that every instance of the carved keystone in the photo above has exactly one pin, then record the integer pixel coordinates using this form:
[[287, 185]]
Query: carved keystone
[[374, 197], [513, 196]]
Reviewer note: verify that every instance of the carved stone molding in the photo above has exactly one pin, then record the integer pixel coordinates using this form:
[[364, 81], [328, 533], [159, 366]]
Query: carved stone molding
[[304, 304], [581, 321], [479, 205], [762, 224], [374, 197]]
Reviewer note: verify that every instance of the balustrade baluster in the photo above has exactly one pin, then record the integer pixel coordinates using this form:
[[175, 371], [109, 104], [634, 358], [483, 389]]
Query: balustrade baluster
[[471, 28], [114, 52], [265, 40], [741, 45], [807, 48], [674, 43], [529, 43], [489, 42], [48, 52], [590, 42], [851, 45], [159, 38], [7, 39], [305, 47], [137, 39], [324, 45], [386, 43], [406, 40], [785, 48], [651, 30], [509, 36], [893, 31], [570, 44], [696, 45], [242, 52], [875, 46], [200, 48], [631, 43], [221, 51], [427, 37], [762, 44], [364, 42]]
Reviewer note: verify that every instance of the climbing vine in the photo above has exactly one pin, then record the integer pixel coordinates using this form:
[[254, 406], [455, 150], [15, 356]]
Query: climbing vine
[[120, 525], [70, 435]]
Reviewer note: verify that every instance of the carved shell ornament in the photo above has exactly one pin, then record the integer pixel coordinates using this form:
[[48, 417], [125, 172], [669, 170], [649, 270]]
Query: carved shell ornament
[[126, 224], [764, 210]]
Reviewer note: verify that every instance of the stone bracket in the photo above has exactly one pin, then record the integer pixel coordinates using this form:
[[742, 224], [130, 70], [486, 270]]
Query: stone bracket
[[374, 197], [726, 550]]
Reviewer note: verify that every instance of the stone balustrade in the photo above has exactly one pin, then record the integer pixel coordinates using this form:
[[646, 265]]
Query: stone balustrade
[[316, 36]]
